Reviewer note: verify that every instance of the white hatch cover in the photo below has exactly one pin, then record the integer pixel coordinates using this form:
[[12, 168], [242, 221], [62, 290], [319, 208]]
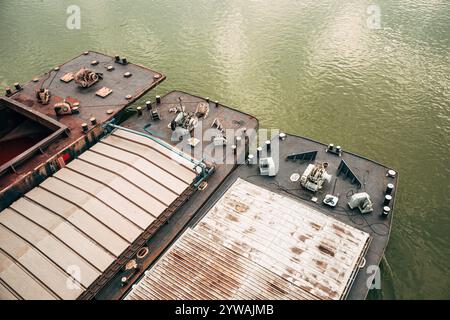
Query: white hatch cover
[[257, 244], [61, 236]]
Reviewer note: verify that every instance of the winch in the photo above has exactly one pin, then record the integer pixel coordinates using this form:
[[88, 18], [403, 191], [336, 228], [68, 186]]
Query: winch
[[184, 122], [43, 96], [86, 78], [315, 176], [361, 201]]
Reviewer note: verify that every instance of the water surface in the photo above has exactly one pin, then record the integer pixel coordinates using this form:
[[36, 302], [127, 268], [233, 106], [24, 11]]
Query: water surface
[[309, 67]]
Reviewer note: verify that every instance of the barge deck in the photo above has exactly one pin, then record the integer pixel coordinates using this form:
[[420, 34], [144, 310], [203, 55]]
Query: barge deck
[[28, 167]]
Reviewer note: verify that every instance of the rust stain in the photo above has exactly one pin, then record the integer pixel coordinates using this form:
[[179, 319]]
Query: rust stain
[[305, 288], [340, 230], [277, 288], [321, 263], [303, 238], [232, 218], [315, 226], [216, 238], [215, 277], [294, 259], [240, 207], [296, 250], [290, 270], [177, 256], [326, 250]]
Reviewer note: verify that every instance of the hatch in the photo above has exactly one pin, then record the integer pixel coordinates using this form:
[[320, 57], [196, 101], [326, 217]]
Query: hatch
[[67, 236], [23, 132], [257, 244]]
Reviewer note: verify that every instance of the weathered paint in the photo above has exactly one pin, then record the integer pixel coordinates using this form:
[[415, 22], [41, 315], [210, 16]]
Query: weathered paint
[[257, 244]]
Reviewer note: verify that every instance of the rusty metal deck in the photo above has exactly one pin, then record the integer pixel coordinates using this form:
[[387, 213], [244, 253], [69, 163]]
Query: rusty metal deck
[[196, 268], [257, 244], [47, 160], [88, 216]]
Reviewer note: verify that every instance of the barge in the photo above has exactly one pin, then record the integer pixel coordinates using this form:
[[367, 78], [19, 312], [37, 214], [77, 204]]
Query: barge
[[181, 195], [36, 140]]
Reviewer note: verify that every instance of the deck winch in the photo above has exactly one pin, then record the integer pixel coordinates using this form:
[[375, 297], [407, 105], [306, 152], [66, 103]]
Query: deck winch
[[361, 201], [184, 122], [315, 176], [43, 96], [86, 78], [65, 108]]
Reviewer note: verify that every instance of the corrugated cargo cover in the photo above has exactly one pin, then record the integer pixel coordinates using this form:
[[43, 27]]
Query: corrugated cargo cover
[[62, 235], [257, 244]]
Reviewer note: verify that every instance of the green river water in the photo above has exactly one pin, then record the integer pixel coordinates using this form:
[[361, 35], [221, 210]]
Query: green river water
[[316, 68]]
